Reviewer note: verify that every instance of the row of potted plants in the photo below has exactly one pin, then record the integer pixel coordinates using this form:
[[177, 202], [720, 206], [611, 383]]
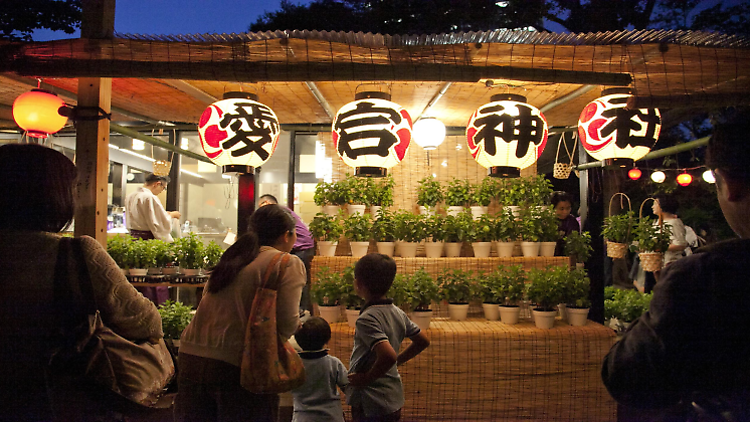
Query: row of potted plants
[[622, 307], [356, 192], [502, 292], [142, 257], [536, 229], [650, 240]]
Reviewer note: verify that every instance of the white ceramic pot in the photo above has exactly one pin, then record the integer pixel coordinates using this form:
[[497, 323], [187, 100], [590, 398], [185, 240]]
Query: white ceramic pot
[[505, 249], [547, 248], [422, 319], [454, 210], [509, 314], [331, 210], [386, 248], [453, 249], [327, 247], [478, 210], [491, 311], [374, 209], [433, 249], [577, 317], [351, 317], [544, 319], [169, 270], [190, 272], [138, 272], [458, 311], [359, 249], [356, 208], [426, 210], [330, 313], [530, 249], [154, 271], [481, 249], [514, 209], [408, 249], [561, 310]]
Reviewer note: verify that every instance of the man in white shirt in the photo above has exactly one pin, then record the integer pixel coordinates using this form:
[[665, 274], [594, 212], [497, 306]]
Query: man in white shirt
[[145, 215]]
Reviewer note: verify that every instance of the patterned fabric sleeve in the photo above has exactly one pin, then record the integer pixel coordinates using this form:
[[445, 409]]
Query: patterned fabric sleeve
[[123, 308]]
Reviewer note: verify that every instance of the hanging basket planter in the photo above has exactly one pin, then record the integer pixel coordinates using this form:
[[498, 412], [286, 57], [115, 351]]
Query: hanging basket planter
[[616, 250], [562, 170], [651, 261]]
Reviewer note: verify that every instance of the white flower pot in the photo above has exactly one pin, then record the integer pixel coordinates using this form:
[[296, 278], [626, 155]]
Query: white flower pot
[[454, 210], [351, 317], [330, 313], [138, 272], [505, 249], [561, 310], [458, 311], [478, 210], [453, 249], [427, 210], [356, 208], [433, 249], [327, 247], [509, 314], [491, 311], [514, 209], [422, 319], [530, 249], [359, 249], [386, 248], [169, 270], [547, 248], [374, 209], [408, 249], [331, 210], [190, 272], [544, 319], [481, 249], [153, 271], [577, 317]]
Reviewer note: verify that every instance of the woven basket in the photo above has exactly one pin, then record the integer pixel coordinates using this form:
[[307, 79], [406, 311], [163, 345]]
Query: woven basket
[[651, 261], [616, 250], [561, 170], [161, 167]]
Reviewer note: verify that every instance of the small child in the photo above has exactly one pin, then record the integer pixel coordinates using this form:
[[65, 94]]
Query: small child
[[375, 392], [318, 399]]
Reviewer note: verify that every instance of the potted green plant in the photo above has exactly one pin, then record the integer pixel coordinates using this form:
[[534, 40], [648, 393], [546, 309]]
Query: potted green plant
[[505, 233], [483, 235], [617, 230], [457, 196], [355, 191], [434, 235], [549, 232], [175, 317], [327, 229], [338, 193], [322, 198], [538, 190], [513, 194], [511, 282], [482, 194], [349, 297], [213, 255], [456, 289], [529, 227], [410, 229], [576, 297], [488, 289], [384, 232], [399, 291], [381, 194], [622, 307], [452, 233], [429, 195], [421, 290], [326, 292], [190, 253], [545, 292], [118, 247], [165, 257], [357, 228], [653, 240], [578, 246], [141, 257]]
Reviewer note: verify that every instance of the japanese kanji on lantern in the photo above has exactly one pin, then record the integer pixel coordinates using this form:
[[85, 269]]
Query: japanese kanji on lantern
[[506, 135], [612, 133], [239, 133], [371, 133]]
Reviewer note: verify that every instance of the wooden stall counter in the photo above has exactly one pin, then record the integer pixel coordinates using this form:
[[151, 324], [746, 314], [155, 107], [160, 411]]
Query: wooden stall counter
[[479, 370]]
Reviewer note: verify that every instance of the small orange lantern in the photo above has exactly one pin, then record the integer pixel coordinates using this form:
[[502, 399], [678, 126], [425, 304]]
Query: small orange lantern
[[37, 112], [634, 174], [684, 179]]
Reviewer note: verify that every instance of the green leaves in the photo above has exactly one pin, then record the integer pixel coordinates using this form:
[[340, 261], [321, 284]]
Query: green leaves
[[547, 286], [409, 227], [456, 286], [525, 191], [174, 318], [429, 192], [617, 228], [578, 245], [190, 251], [384, 227], [326, 228], [327, 289], [458, 193], [357, 228], [213, 254], [416, 290], [652, 237], [625, 305]]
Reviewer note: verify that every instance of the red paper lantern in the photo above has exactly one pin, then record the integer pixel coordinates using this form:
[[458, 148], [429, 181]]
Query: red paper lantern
[[684, 179], [634, 174], [37, 112]]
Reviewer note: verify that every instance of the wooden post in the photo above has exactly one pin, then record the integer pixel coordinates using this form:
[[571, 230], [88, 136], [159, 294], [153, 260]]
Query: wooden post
[[92, 135]]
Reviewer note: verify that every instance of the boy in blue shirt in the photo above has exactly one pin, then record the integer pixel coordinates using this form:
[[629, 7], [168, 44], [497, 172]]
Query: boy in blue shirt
[[376, 393], [318, 400]]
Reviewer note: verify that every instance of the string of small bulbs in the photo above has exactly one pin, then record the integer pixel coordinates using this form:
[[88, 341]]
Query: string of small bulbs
[[684, 178]]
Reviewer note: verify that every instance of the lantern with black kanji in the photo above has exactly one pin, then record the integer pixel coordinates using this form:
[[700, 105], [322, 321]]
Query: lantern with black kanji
[[38, 113], [612, 133], [371, 133], [506, 135], [239, 133]]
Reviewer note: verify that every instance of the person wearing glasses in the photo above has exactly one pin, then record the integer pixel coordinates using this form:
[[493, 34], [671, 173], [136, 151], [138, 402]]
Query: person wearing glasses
[[145, 215]]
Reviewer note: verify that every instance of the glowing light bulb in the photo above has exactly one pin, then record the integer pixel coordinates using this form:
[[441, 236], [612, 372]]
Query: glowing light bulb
[[634, 174], [708, 176], [658, 176], [684, 179]]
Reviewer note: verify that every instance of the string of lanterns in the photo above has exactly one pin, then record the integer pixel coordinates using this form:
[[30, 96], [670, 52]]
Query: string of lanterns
[[683, 178]]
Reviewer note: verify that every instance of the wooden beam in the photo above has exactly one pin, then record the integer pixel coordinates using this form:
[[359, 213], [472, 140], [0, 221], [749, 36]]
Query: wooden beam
[[189, 89]]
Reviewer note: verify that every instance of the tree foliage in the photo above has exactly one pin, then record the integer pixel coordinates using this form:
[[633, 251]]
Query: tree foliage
[[19, 18]]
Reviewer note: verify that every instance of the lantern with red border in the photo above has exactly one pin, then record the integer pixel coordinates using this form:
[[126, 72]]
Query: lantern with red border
[[684, 179], [239, 133], [612, 133], [634, 174], [506, 135], [37, 112], [371, 133]]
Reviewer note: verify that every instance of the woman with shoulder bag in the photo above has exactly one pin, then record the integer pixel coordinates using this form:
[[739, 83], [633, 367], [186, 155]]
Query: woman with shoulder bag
[[211, 347], [36, 203]]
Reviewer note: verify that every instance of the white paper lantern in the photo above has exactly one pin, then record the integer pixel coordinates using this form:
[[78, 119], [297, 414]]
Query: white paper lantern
[[371, 133], [429, 133], [618, 136], [239, 133], [658, 176], [506, 135]]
